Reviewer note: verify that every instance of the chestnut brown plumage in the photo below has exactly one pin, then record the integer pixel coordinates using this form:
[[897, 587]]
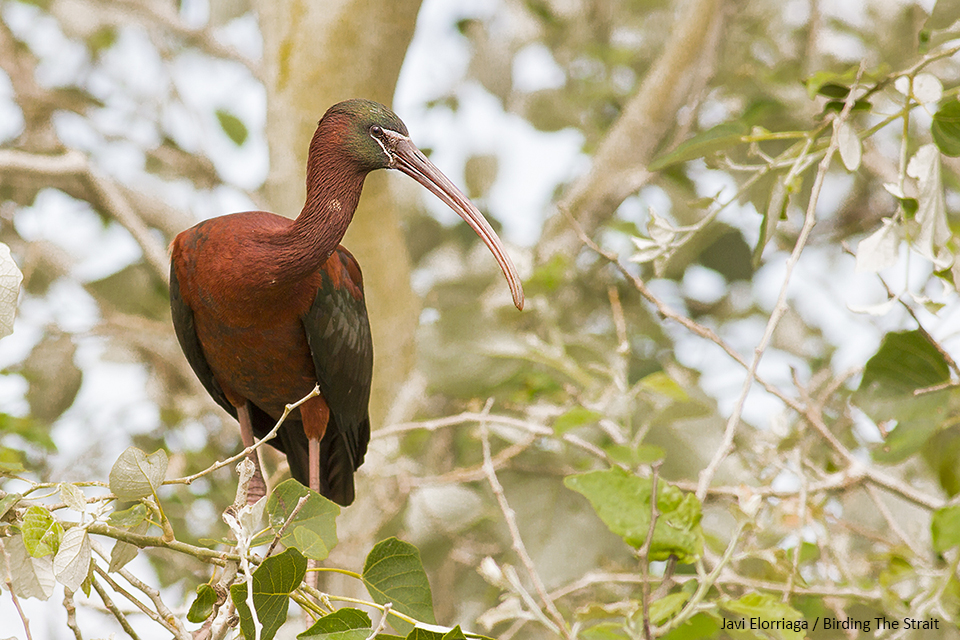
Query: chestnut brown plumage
[[266, 307]]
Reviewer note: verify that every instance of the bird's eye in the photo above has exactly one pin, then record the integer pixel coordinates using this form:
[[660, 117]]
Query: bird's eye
[[376, 131]]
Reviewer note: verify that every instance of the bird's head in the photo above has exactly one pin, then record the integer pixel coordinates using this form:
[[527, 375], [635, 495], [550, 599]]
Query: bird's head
[[364, 131], [370, 136]]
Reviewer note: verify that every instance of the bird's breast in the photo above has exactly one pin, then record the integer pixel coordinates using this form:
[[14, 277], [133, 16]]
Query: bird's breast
[[247, 319]]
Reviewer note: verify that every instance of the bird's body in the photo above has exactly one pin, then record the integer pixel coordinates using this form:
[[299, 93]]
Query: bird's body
[[245, 331], [265, 307]]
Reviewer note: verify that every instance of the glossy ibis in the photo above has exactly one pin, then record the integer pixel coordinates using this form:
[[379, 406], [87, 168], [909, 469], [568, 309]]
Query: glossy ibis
[[266, 307]]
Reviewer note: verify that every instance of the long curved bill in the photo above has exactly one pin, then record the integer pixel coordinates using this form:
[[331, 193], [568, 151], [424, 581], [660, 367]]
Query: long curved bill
[[411, 161]]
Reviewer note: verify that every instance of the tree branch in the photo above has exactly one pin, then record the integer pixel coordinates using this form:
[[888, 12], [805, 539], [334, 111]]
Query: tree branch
[[619, 163]]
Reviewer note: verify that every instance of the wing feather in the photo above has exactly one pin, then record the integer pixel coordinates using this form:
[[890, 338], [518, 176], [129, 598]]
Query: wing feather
[[338, 331]]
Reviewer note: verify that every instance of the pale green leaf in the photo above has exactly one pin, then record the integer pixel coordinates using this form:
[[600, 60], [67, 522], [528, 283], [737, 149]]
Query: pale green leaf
[[10, 279], [32, 577], [73, 497], [72, 562], [314, 529], [136, 475]]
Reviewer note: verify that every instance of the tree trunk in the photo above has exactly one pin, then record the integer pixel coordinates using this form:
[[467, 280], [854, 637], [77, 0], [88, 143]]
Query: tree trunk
[[317, 54]]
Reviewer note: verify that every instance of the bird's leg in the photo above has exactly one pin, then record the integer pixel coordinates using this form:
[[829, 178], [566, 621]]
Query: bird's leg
[[313, 454], [257, 487], [315, 414]]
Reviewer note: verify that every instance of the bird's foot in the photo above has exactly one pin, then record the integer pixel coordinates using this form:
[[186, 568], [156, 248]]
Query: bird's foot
[[256, 488], [252, 486]]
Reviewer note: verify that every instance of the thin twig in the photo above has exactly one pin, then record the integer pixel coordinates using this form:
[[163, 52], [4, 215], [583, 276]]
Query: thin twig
[[644, 551], [162, 616], [71, 608], [383, 622], [143, 541], [468, 417], [286, 523], [781, 306], [894, 524], [256, 445], [203, 38], [704, 586], [112, 607], [519, 548], [802, 517], [8, 580]]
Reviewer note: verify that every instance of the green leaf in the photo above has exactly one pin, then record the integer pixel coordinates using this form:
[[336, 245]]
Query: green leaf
[[945, 13], [11, 461], [768, 607], [41, 533], [662, 384], [576, 417], [698, 627], [833, 90], [419, 633], [667, 607], [202, 606], [716, 138], [905, 361], [273, 582], [8, 501], [341, 620], [775, 211], [232, 126], [623, 503], [945, 528], [393, 572], [606, 631], [136, 475], [134, 519], [831, 84], [946, 128], [548, 276], [102, 39], [314, 530], [129, 518]]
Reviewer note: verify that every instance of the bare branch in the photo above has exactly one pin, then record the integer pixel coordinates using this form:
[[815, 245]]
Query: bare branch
[[619, 164], [71, 608], [111, 606], [203, 39], [511, 520], [644, 552], [162, 615], [103, 192]]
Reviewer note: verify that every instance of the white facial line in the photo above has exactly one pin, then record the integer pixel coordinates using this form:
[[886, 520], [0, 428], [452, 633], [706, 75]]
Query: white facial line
[[383, 146], [395, 137]]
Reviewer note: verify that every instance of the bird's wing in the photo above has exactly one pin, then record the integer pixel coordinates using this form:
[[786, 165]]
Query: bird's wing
[[187, 335], [338, 332]]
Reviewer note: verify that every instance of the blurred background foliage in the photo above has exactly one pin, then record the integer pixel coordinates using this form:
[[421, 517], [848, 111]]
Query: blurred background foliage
[[125, 121]]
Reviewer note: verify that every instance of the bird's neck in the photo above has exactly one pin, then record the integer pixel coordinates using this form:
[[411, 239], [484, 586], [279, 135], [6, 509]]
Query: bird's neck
[[332, 195]]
